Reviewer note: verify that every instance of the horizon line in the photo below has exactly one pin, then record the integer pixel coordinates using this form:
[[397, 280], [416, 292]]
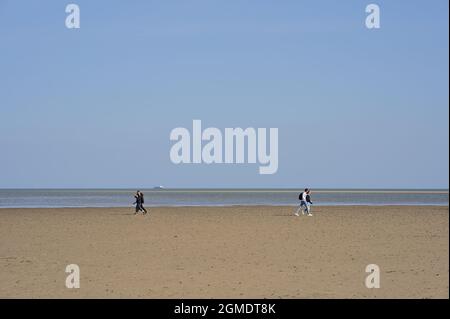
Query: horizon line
[[249, 189]]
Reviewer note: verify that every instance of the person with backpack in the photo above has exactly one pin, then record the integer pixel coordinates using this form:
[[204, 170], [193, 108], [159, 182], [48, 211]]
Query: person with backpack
[[305, 202]]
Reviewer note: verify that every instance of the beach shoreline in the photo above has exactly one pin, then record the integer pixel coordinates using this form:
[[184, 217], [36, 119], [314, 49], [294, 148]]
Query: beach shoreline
[[106, 198], [225, 252]]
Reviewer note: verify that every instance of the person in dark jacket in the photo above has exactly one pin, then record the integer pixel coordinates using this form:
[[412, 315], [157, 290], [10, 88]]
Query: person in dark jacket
[[308, 196], [137, 202], [308, 201], [141, 201]]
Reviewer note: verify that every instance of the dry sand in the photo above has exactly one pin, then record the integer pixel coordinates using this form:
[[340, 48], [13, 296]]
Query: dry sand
[[225, 252]]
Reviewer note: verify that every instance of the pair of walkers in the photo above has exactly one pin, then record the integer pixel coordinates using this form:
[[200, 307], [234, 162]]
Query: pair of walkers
[[139, 202], [305, 203]]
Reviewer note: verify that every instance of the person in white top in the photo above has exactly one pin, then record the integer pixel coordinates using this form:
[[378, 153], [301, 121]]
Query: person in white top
[[305, 202]]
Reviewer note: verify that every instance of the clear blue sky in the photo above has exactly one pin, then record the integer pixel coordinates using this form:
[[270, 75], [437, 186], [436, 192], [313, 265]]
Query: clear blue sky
[[94, 107]]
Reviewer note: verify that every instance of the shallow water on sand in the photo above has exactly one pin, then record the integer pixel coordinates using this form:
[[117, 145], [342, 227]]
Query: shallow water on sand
[[215, 197]]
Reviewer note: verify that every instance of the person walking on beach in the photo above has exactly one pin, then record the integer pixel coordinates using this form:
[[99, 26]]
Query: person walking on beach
[[305, 202], [141, 196], [139, 202], [309, 202]]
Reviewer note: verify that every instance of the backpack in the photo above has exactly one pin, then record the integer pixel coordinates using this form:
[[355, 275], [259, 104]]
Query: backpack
[[300, 197]]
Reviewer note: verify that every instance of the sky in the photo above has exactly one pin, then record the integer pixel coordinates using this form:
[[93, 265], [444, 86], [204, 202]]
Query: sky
[[94, 107]]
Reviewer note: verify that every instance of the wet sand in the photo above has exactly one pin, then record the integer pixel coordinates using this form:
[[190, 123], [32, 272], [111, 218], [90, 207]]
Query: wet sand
[[225, 252]]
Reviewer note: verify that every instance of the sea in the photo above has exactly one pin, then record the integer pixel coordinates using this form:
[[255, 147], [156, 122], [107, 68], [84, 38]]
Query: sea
[[59, 198]]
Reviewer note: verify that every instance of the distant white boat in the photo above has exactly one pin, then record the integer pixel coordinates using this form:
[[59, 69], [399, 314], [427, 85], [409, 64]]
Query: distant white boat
[[158, 187]]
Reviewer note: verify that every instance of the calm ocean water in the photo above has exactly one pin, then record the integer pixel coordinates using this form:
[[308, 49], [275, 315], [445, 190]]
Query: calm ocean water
[[214, 197]]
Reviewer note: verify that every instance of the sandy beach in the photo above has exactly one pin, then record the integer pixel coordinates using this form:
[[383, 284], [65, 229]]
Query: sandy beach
[[225, 252]]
